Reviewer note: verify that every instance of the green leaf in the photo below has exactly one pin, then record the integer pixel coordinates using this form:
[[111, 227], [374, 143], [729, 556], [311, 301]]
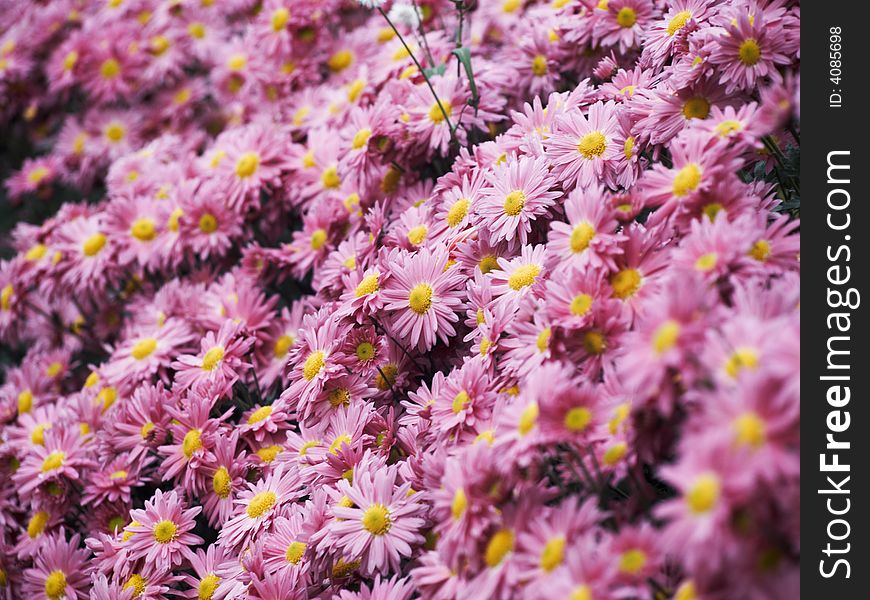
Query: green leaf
[[463, 54]]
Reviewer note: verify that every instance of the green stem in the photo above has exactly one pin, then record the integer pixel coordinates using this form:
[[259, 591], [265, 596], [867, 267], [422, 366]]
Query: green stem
[[425, 77]]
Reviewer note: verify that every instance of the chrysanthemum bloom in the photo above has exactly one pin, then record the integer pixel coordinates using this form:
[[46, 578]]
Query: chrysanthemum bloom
[[59, 570], [54, 465], [206, 223], [286, 547], [114, 481], [749, 49], [86, 254], [217, 575], [517, 193], [34, 177], [624, 23], [226, 476], [162, 531], [252, 161], [582, 149], [466, 400], [520, 276], [259, 506], [315, 359], [669, 34], [423, 294], [140, 422], [220, 361], [383, 524], [147, 353], [194, 435]]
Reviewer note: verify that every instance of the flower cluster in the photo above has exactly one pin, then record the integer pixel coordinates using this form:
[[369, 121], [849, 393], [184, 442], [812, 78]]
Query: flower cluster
[[374, 300]]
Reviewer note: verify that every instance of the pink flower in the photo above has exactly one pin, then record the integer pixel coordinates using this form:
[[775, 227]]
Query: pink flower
[[219, 363], [424, 296], [59, 569], [383, 525], [162, 531], [583, 148]]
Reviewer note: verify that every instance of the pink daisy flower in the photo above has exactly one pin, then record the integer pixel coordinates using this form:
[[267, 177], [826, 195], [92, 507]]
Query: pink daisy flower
[[582, 148], [518, 193], [382, 526], [748, 50], [424, 296], [163, 529], [59, 570], [219, 363]]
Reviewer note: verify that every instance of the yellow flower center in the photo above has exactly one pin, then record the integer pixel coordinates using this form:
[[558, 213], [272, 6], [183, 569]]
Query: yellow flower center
[[208, 586], [237, 62], [510, 6], [760, 250], [37, 436], [164, 531], [457, 212], [280, 18], [376, 519], [110, 68], [420, 298], [553, 553], [749, 52], [706, 262], [212, 358], [53, 461], [143, 348], [459, 504], [543, 340], [146, 430], [704, 493], [460, 401], [581, 592], [318, 239], [340, 61], [115, 132], [55, 585], [728, 127], [138, 583], [329, 178], [37, 524], [743, 357], [696, 108], [528, 418], [628, 147], [313, 364], [487, 264], [172, 221], [514, 202], [368, 285], [625, 283], [416, 235], [592, 145], [6, 296], [25, 401], [678, 21], [665, 336], [282, 345], [260, 414], [626, 17], [94, 244], [261, 503], [191, 443], [632, 561], [269, 453], [295, 552], [339, 397], [247, 164], [581, 304], [687, 179], [143, 229], [581, 235], [365, 351], [750, 430], [523, 276], [208, 223], [436, 114], [159, 45], [578, 418], [499, 546], [122, 474], [539, 65], [37, 175], [361, 138], [37, 252], [615, 453], [221, 482], [686, 591]]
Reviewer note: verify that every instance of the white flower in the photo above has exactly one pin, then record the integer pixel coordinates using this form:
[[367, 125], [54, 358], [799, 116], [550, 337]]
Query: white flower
[[372, 3], [405, 14]]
